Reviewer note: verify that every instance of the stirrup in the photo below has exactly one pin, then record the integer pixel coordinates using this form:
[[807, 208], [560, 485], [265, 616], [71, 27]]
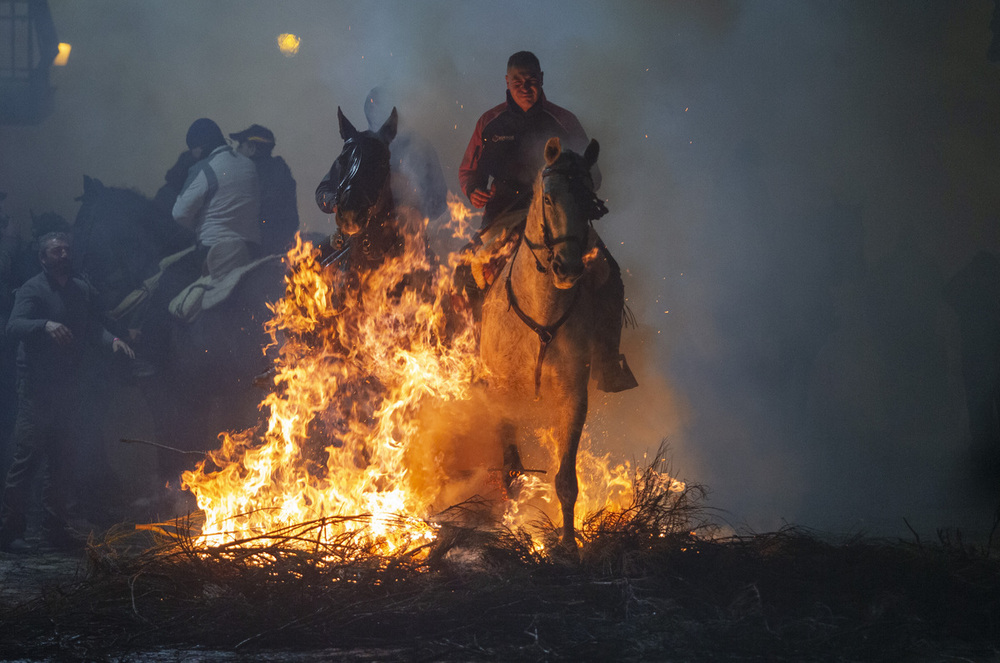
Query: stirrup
[[616, 376]]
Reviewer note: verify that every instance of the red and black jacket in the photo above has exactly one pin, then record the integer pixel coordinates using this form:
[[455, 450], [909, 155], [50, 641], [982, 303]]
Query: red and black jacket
[[507, 145]]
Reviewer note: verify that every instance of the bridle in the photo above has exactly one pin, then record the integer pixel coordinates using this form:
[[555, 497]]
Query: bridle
[[351, 159], [579, 187], [377, 207]]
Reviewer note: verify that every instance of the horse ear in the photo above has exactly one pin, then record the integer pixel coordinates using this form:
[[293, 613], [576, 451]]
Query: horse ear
[[590, 155], [388, 130], [347, 130], [91, 185], [553, 148]]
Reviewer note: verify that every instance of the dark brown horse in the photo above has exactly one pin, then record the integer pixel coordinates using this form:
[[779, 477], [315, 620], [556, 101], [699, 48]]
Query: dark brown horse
[[365, 211]]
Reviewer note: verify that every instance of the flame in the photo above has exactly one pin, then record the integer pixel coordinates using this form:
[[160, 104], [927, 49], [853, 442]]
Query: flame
[[374, 385]]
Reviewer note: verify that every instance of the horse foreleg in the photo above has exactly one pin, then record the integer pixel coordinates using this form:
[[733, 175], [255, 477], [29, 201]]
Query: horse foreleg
[[567, 486], [512, 466]]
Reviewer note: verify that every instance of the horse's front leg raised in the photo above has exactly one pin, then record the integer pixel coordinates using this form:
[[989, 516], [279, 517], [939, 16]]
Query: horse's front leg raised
[[567, 488]]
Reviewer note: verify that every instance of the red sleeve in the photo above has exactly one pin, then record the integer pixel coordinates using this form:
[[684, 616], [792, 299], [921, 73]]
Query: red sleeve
[[469, 177], [467, 171]]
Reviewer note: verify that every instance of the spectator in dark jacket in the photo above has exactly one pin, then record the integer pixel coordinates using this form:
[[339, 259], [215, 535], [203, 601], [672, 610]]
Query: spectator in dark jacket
[[54, 317]]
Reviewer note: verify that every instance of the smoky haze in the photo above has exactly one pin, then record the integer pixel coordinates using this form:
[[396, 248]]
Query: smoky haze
[[791, 186]]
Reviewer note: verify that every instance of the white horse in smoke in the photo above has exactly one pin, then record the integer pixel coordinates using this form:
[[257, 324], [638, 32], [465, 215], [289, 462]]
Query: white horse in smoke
[[538, 329]]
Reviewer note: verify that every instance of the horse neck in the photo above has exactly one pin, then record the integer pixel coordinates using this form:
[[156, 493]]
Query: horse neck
[[536, 292]]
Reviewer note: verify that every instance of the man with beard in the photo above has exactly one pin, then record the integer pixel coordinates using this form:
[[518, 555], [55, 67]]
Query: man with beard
[[497, 173], [53, 318]]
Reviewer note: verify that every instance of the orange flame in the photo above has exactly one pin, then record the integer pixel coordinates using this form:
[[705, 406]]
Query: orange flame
[[362, 419]]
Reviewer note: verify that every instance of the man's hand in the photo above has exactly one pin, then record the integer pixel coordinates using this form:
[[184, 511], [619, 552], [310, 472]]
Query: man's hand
[[479, 198], [59, 332], [119, 345]]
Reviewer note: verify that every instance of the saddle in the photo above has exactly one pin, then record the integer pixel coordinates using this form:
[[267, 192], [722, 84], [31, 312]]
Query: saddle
[[135, 299]]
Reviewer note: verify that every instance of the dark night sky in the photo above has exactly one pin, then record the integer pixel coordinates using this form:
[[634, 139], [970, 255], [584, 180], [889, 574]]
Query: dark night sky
[[794, 181]]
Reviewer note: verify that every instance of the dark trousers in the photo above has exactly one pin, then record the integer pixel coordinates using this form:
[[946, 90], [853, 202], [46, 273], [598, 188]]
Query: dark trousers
[[41, 436]]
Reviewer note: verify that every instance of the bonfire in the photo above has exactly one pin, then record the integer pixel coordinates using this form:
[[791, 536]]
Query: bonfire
[[371, 442]]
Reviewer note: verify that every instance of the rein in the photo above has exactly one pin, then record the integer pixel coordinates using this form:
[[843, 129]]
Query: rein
[[596, 211]]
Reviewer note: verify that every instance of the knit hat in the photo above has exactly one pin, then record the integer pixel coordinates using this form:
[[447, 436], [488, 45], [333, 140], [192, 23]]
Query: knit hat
[[204, 133]]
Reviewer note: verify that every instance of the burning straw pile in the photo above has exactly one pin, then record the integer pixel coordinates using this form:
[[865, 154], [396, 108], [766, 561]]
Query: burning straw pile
[[323, 535], [653, 580]]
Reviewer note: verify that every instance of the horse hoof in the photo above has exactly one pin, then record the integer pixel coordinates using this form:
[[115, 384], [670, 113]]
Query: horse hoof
[[566, 551], [512, 471]]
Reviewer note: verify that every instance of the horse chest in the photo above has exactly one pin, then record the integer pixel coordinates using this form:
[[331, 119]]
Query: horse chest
[[510, 349]]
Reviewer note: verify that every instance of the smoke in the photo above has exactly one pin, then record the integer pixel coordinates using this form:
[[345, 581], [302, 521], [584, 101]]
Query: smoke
[[791, 186]]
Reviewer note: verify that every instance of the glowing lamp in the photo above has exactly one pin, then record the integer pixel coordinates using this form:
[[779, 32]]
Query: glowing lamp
[[288, 44], [63, 56]]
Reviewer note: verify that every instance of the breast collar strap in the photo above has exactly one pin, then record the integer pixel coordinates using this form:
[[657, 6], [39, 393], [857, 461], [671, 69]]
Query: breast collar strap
[[545, 332]]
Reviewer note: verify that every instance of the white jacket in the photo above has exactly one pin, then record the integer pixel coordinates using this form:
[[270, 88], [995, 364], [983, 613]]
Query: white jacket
[[221, 198]]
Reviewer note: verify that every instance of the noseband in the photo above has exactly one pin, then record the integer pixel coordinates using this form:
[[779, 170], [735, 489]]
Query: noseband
[[579, 188]]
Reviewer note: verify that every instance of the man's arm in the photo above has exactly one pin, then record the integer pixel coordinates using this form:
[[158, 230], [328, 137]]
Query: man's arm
[[191, 198], [24, 319], [579, 142], [472, 181]]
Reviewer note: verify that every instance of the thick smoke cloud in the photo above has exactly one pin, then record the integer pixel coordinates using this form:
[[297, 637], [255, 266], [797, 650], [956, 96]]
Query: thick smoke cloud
[[791, 185]]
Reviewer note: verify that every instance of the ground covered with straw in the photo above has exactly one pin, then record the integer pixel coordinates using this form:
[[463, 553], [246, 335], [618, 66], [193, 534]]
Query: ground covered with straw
[[653, 581]]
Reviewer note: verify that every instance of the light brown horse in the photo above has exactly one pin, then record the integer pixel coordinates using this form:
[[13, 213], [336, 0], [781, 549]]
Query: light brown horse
[[538, 321]]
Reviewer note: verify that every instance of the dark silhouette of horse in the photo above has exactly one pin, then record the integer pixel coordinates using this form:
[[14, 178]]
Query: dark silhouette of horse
[[207, 385], [370, 224], [119, 236]]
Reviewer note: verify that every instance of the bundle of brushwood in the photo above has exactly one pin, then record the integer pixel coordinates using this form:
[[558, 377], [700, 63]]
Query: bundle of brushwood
[[656, 580]]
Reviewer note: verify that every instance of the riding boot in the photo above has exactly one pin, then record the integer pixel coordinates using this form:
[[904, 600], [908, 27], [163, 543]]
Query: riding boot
[[613, 372]]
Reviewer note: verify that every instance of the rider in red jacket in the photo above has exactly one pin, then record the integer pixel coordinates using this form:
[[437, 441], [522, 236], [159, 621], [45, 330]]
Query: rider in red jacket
[[499, 167], [507, 144]]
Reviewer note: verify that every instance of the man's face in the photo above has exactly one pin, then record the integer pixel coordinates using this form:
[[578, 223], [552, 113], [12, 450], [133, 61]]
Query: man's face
[[525, 86], [247, 149], [56, 258]]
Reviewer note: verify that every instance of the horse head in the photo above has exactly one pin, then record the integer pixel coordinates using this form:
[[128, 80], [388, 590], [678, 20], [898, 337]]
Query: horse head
[[120, 237], [565, 203], [363, 191]]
